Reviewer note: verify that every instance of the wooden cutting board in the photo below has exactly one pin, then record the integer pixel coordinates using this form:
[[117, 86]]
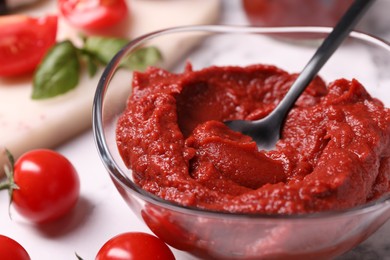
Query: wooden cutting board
[[27, 124]]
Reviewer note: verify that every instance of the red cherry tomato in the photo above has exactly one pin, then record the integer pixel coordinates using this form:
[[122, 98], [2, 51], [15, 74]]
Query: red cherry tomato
[[135, 246], [93, 14], [10, 249], [48, 186], [24, 41]]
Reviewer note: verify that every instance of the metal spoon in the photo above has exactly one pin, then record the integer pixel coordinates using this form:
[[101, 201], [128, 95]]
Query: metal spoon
[[266, 131]]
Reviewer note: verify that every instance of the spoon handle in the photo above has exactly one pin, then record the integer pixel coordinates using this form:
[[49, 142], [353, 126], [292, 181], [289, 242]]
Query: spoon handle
[[327, 48]]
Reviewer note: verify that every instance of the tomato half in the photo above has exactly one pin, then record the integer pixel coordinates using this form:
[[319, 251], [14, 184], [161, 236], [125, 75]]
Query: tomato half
[[93, 14], [10, 249], [24, 41], [48, 185], [135, 246]]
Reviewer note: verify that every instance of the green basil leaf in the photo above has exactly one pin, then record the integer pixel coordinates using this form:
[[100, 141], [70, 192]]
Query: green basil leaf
[[92, 64], [142, 58], [104, 48], [58, 73]]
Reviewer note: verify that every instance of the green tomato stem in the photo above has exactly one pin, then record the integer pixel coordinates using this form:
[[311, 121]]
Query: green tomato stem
[[4, 184], [9, 182]]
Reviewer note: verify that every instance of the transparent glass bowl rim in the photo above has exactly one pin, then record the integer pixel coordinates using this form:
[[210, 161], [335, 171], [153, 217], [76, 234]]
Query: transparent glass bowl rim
[[129, 185]]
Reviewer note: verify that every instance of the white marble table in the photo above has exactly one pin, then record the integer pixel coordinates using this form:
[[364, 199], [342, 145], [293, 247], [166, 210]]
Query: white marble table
[[101, 213]]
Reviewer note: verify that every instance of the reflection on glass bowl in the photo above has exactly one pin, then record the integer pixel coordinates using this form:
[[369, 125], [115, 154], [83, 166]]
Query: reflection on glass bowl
[[216, 235]]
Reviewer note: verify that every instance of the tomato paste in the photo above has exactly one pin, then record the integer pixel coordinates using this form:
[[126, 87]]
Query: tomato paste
[[334, 152]]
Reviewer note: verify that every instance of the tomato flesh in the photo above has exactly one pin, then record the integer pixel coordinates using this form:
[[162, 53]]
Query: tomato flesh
[[10, 249], [93, 14], [48, 186], [24, 42]]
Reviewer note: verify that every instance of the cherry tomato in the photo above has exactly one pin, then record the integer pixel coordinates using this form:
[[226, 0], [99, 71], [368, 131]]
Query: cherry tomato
[[10, 249], [48, 185], [135, 246], [93, 14], [24, 41]]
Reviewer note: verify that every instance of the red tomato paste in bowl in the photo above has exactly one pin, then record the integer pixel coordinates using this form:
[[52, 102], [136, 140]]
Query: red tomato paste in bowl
[[334, 152]]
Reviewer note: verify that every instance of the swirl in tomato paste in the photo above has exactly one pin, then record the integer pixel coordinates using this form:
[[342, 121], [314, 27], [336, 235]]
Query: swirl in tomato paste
[[334, 152]]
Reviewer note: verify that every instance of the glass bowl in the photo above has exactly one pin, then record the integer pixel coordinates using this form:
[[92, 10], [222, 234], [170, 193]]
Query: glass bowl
[[215, 235]]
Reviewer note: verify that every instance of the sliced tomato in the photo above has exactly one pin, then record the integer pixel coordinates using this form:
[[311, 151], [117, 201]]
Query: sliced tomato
[[24, 41], [93, 14]]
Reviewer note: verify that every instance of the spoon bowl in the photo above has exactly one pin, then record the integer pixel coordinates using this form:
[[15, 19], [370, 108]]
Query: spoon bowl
[[265, 132]]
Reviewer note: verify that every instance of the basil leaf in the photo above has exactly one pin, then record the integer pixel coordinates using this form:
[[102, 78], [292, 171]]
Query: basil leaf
[[92, 64], [58, 73], [142, 58], [104, 48]]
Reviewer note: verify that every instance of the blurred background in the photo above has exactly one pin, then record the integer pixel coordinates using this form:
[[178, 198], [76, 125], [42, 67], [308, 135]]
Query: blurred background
[[305, 13], [276, 13]]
